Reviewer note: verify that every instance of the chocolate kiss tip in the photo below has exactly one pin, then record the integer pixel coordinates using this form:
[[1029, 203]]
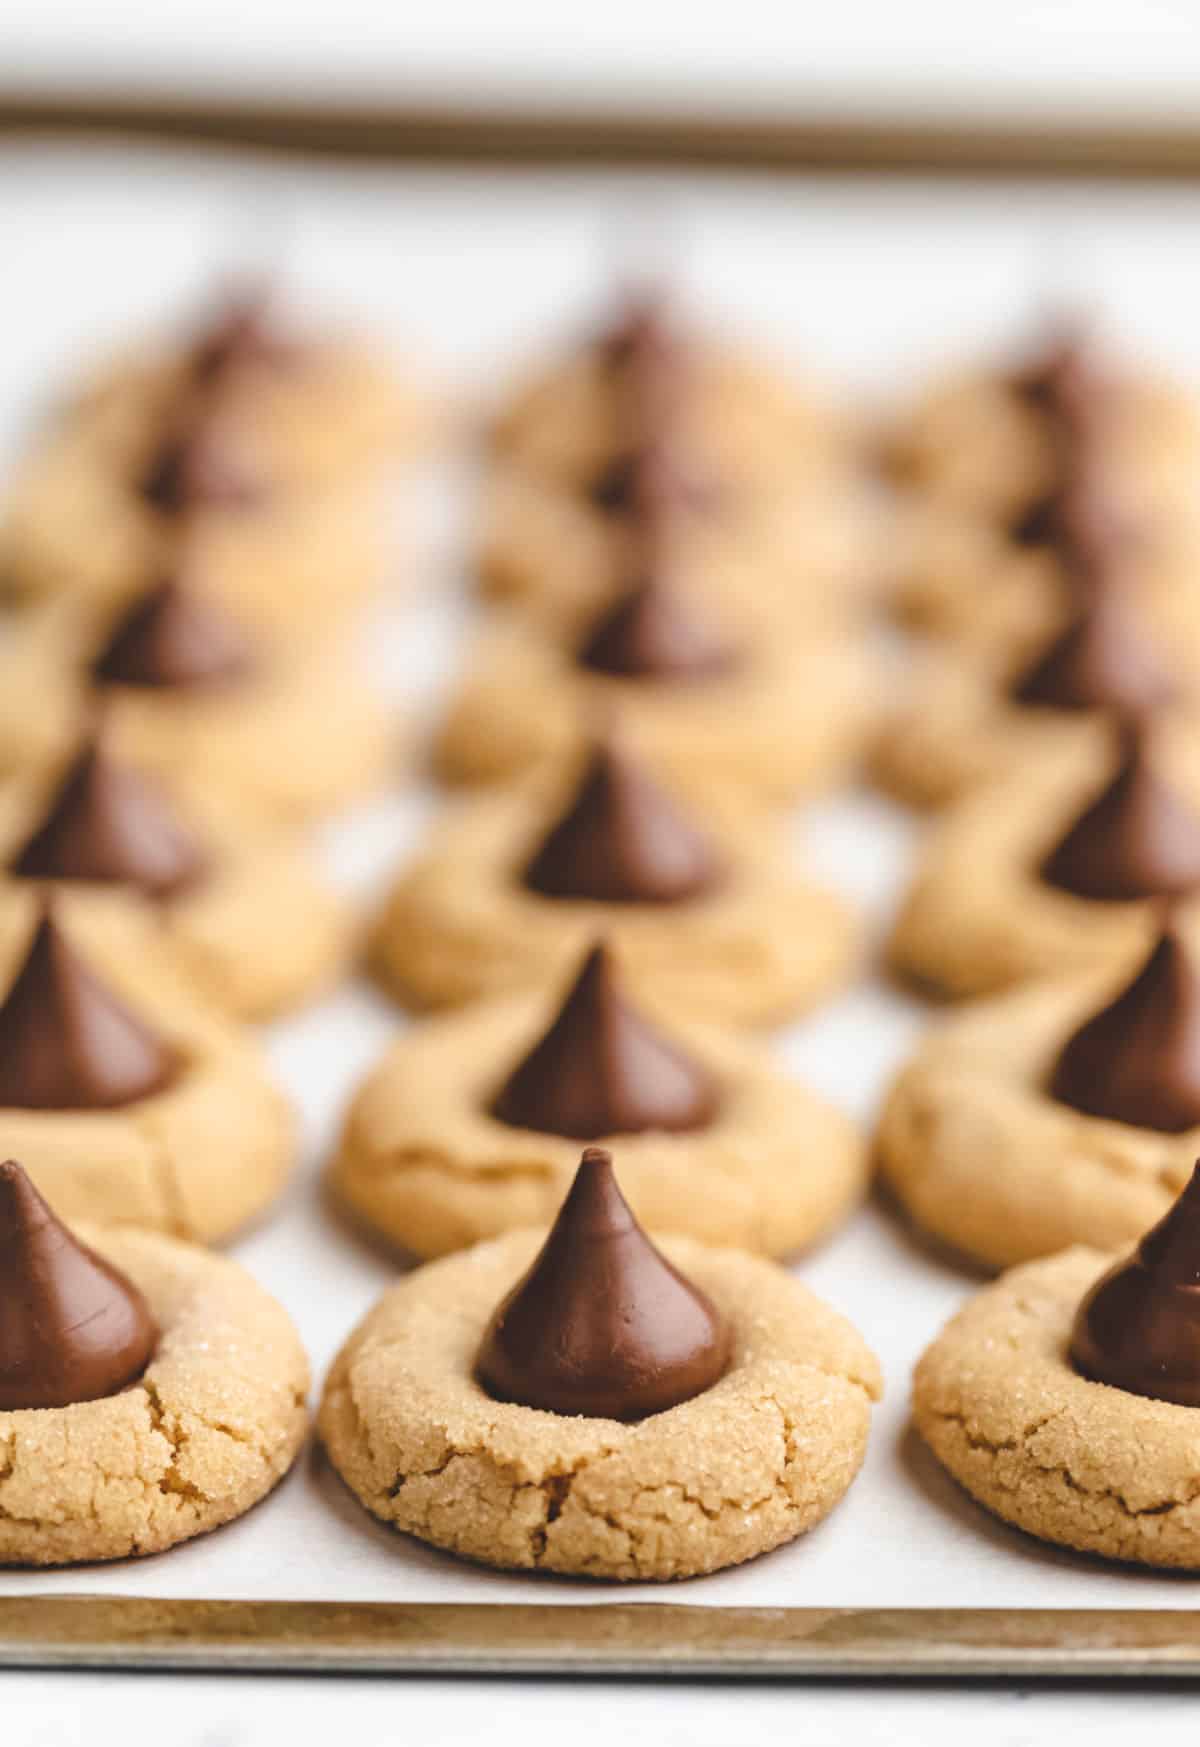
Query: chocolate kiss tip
[[1138, 1060], [653, 633], [1138, 1327], [72, 1328], [602, 1069], [108, 823], [66, 1041], [174, 636], [622, 840], [1136, 840], [602, 1325]]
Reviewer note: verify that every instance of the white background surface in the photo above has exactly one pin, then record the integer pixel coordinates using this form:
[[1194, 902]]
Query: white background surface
[[1135, 58], [872, 282]]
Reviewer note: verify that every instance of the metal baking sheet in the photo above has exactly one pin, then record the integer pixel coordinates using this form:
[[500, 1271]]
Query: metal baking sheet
[[873, 283]]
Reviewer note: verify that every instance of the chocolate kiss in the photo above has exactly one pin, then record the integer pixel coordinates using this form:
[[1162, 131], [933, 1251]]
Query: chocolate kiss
[[1063, 379], [1138, 840], [602, 1069], [653, 633], [1101, 661], [1138, 1328], [111, 824], [602, 1324], [622, 841], [1138, 1060], [198, 465], [657, 475], [173, 637], [240, 334], [67, 1042], [71, 1327], [642, 325]]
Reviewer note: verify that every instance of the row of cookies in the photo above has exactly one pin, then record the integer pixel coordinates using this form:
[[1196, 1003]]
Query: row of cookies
[[1066, 756], [594, 933], [1062, 1398], [586, 1402], [1050, 566], [186, 548]]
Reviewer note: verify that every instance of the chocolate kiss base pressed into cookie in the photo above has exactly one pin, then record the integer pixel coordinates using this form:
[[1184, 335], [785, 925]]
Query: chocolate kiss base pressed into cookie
[[109, 824], [622, 840], [67, 1042], [1138, 840], [174, 637], [602, 1325], [601, 1069], [1138, 1061], [1138, 1328], [72, 1328]]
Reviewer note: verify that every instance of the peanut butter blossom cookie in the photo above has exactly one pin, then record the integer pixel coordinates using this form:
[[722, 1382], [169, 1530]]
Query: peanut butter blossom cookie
[[1067, 1112], [315, 405], [235, 901], [760, 712], [129, 1101], [748, 427], [149, 1391], [91, 526], [977, 717], [188, 692], [1059, 871], [1065, 1396], [515, 888], [588, 1403], [994, 442], [468, 1126]]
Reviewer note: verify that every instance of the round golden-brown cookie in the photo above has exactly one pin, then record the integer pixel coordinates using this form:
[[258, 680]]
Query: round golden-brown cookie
[[960, 577], [790, 561], [422, 1159], [973, 440], [459, 923], [998, 1402], [788, 717], [958, 725], [980, 1154], [752, 424], [72, 526], [302, 732], [338, 406], [978, 916], [215, 1421], [751, 1463], [259, 932], [200, 1158]]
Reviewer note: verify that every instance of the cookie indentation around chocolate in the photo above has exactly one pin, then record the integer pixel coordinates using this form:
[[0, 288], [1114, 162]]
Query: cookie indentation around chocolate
[[602, 1325]]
